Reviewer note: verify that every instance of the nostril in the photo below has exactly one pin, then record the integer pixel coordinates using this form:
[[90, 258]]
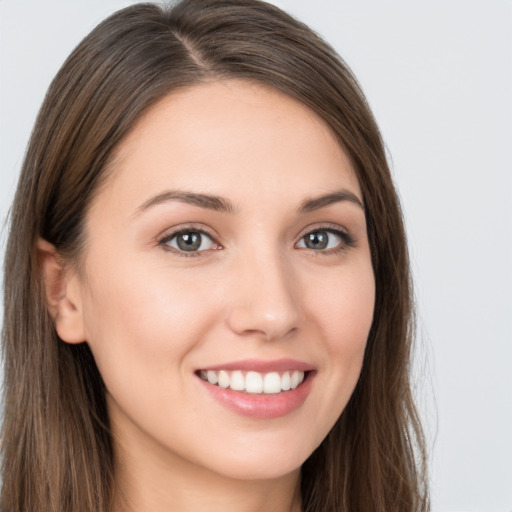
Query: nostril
[[269, 325]]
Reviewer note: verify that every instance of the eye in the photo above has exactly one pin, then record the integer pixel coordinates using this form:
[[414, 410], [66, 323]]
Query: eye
[[330, 240], [189, 241]]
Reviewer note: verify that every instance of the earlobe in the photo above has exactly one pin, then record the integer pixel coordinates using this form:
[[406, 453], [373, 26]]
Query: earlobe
[[62, 292]]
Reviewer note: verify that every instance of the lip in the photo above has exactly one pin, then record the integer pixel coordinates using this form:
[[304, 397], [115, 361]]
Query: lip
[[262, 366], [261, 406]]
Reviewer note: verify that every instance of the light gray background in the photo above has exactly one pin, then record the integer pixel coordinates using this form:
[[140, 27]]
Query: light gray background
[[439, 78]]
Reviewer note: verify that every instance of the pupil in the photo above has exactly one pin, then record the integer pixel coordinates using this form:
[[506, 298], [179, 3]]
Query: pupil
[[189, 241], [317, 240]]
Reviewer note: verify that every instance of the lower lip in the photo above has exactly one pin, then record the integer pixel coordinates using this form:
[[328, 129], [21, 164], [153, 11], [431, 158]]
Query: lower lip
[[261, 406]]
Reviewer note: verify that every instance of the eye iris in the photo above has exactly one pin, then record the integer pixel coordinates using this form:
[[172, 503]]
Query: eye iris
[[316, 240], [189, 241]]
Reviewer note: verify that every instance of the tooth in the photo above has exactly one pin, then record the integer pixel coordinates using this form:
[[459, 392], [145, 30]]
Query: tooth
[[272, 383], [295, 380], [253, 382], [237, 381], [212, 377], [223, 379], [286, 381]]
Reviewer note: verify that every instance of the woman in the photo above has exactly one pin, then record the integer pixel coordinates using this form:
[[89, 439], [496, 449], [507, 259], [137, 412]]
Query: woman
[[207, 297]]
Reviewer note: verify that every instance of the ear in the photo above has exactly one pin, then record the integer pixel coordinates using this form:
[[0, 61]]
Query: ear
[[63, 294]]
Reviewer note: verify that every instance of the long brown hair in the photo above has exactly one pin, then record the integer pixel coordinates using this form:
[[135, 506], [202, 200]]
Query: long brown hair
[[57, 450]]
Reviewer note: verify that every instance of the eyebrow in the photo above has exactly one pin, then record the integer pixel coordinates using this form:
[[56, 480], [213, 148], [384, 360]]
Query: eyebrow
[[210, 202], [316, 203], [221, 204]]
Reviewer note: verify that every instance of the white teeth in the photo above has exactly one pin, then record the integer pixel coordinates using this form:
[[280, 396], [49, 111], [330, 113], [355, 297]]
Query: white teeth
[[286, 381], [254, 382], [223, 379], [295, 381], [212, 377], [237, 381], [272, 383]]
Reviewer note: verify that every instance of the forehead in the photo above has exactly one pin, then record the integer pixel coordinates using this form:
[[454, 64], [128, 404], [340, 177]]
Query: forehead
[[235, 138]]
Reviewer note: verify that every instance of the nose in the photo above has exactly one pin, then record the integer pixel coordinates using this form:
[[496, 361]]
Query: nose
[[264, 298]]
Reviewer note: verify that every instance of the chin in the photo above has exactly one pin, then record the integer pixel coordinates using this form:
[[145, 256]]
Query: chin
[[267, 470], [262, 461]]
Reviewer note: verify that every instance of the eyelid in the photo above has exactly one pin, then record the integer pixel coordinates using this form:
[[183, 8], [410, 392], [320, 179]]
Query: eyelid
[[169, 234], [326, 226], [348, 240]]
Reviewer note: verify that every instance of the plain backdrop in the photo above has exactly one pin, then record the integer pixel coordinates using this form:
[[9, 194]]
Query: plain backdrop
[[438, 76]]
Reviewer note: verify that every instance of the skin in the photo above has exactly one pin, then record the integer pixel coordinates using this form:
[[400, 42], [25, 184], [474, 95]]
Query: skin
[[153, 316]]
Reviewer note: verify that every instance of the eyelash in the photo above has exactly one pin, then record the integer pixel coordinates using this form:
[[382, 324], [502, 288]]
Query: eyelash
[[347, 240], [189, 229]]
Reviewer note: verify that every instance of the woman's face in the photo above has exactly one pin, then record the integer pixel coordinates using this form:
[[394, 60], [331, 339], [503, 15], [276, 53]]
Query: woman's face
[[229, 243]]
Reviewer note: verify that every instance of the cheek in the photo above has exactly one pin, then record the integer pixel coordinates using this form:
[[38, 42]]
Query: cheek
[[344, 313], [344, 306], [136, 321]]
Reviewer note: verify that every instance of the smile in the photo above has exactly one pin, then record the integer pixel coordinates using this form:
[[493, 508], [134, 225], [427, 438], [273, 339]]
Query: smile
[[259, 389], [254, 382]]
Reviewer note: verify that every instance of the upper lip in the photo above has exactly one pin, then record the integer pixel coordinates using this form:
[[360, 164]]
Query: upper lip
[[262, 366]]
